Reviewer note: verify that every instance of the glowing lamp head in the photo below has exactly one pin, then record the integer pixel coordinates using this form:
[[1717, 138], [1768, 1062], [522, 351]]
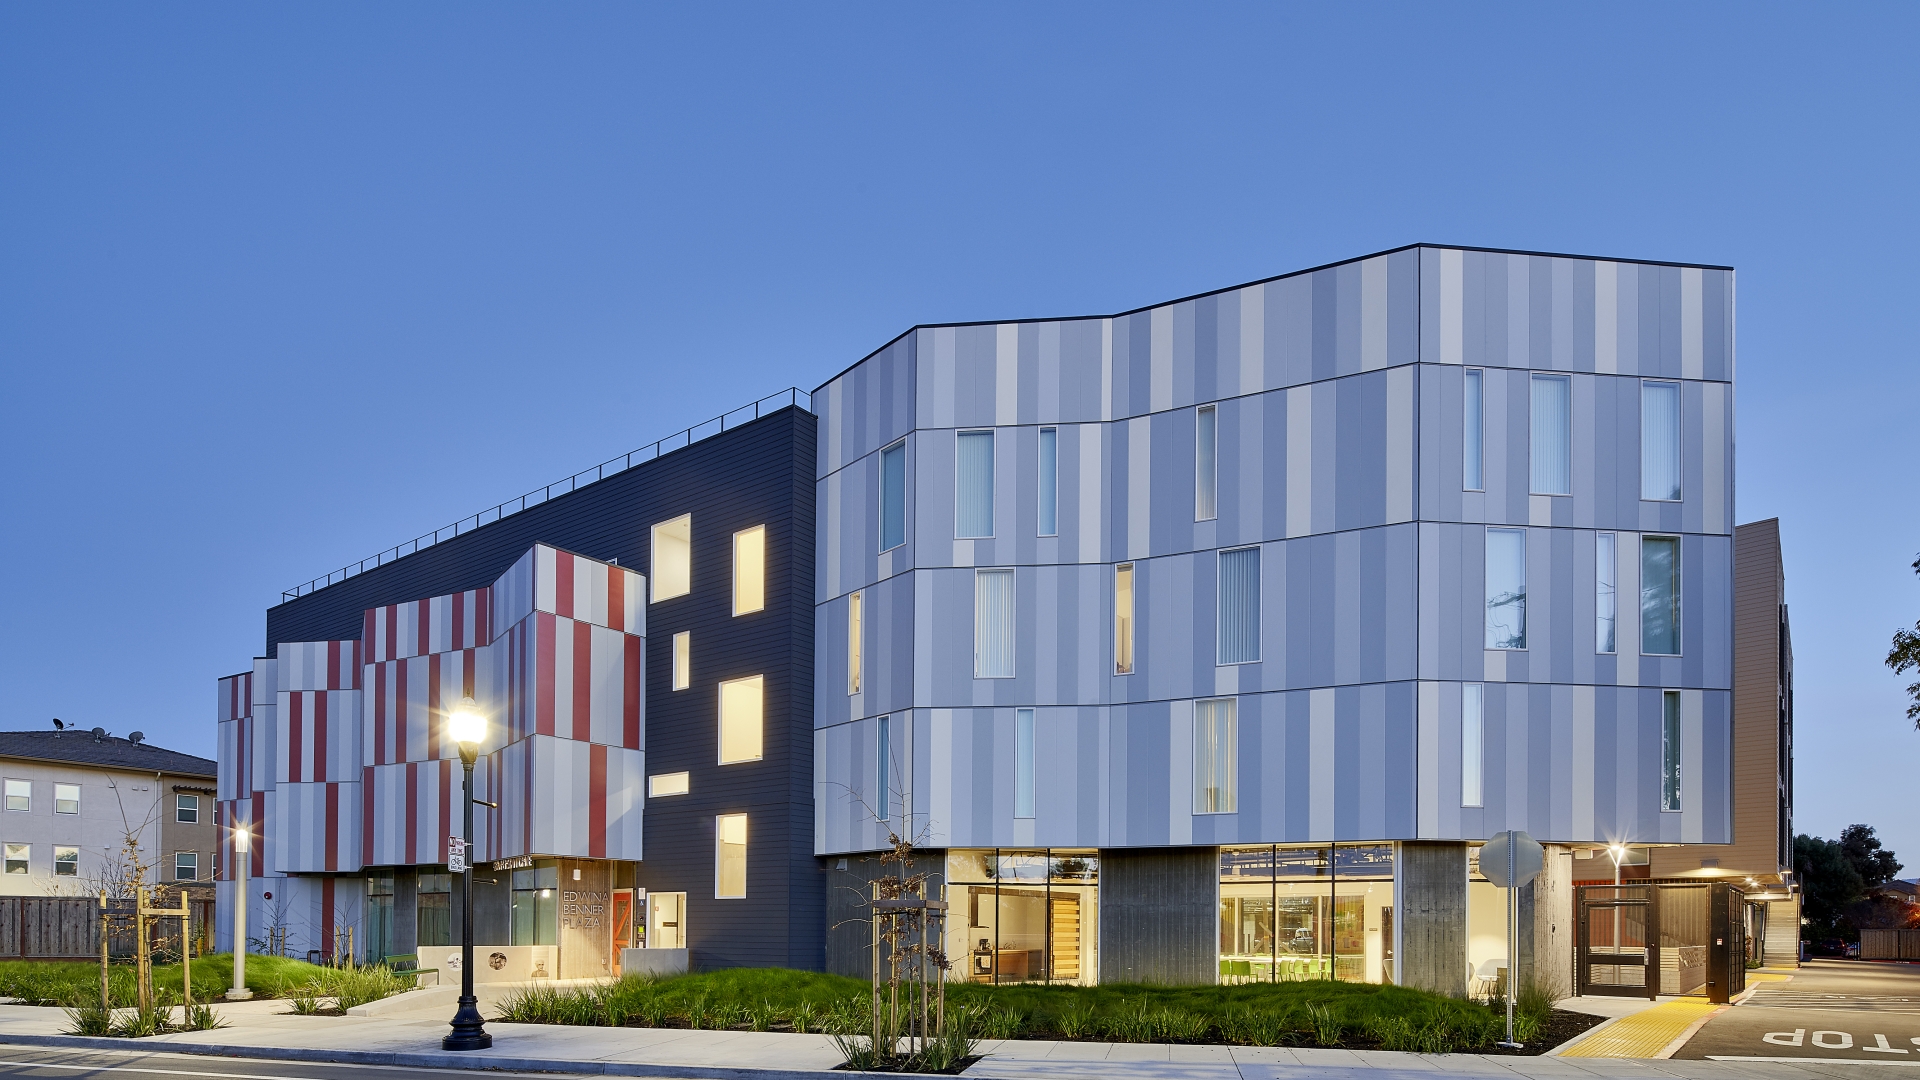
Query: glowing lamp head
[[466, 724], [242, 837]]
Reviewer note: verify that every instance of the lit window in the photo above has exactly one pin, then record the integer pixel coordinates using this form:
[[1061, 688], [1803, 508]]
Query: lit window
[[1669, 750], [186, 866], [1506, 589], [16, 858], [883, 760], [1206, 465], [893, 496], [1049, 481], [1123, 619], [741, 719], [683, 660], [1472, 743], [1023, 763], [672, 558], [1660, 595], [19, 795], [855, 605], [66, 862], [1660, 441], [186, 808], [1213, 756], [669, 783], [750, 570], [1552, 441], [730, 857], [1474, 436], [66, 799], [1239, 606], [993, 624], [1606, 576], [973, 484]]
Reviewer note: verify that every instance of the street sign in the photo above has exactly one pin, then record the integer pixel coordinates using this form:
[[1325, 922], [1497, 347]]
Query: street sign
[[1528, 859], [456, 855]]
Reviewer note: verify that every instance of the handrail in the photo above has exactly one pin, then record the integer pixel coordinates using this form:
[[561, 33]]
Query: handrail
[[680, 440]]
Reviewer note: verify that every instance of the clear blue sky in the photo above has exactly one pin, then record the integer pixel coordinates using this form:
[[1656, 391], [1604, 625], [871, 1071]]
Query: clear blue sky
[[282, 285]]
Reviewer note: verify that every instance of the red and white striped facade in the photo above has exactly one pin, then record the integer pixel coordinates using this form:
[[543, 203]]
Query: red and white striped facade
[[336, 756]]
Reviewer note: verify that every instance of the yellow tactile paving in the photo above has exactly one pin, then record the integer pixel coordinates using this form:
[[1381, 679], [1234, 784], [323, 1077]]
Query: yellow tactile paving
[[1643, 1034]]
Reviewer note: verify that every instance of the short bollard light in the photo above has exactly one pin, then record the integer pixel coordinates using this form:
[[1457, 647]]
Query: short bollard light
[[241, 835]]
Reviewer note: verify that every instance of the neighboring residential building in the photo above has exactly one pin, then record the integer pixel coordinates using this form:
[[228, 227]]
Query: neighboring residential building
[[73, 798]]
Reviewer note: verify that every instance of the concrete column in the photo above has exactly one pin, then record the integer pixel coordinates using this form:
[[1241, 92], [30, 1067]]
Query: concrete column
[[1160, 915], [1546, 925], [1433, 917]]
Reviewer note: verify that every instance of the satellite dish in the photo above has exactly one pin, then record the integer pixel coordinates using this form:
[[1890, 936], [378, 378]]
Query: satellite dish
[[99, 733], [1528, 859], [58, 725], [136, 737]]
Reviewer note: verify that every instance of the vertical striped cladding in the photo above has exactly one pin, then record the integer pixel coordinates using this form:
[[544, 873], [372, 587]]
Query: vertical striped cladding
[[571, 679], [318, 736], [1339, 420], [574, 586], [315, 828], [318, 665], [405, 703], [564, 798], [253, 814], [409, 810], [441, 624]]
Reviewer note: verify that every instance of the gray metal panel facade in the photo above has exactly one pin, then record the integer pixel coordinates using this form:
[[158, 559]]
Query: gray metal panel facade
[[1338, 395]]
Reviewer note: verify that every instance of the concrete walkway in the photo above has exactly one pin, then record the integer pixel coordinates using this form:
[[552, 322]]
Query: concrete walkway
[[407, 1031], [1643, 1028]]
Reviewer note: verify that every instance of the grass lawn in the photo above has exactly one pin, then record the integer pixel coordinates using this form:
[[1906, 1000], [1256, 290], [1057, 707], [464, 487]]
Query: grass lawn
[[77, 983]]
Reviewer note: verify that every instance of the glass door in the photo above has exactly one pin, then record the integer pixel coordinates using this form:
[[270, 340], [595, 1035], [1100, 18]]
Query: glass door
[[666, 916]]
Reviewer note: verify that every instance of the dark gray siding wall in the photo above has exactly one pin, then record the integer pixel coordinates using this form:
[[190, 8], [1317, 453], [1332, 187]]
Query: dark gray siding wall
[[849, 933], [1159, 915]]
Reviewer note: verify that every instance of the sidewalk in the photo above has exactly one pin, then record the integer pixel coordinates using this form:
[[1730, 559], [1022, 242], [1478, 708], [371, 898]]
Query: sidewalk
[[406, 1032]]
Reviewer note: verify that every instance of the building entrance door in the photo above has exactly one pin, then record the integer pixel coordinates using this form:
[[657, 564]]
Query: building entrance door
[[1618, 952], [620, 910], [666, 920]]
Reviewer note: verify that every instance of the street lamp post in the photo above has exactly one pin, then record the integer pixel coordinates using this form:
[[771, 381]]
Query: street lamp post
[[241, 835], [468, 728]]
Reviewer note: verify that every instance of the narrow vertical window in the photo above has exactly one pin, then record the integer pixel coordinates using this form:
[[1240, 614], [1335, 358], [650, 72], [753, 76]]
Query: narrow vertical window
[[893, 496], [66, 800], [1670, 750], [1473, 745], [730, 857], [750, 570], [1023, 763], [1206, 470], [742, 719], [17, 858], [20, 795], [683, 660], [1474, 435], [672, 558], [1506, 589], [1238, 637], [1213, 756], [856, 604], [1551, 444], [1660, 595], [1049, 481], [883, 764], [1660, 441], [1606, 575], [1123, 619], [186, 866], [993, 624], [973, 484]]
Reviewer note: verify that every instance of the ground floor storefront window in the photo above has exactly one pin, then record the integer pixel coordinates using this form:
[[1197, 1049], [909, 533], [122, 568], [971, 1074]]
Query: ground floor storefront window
[[379, 920], [1317, 912], [536, 906], [1026, 916], [433, 915]]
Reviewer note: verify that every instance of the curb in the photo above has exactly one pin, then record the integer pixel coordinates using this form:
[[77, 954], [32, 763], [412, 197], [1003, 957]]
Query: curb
[[442, 1060]]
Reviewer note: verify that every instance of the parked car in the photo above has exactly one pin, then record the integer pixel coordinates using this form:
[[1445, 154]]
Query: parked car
[[1830, 947], [1853, 950]]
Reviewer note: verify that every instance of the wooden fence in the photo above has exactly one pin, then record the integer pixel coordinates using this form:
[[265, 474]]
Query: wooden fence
[[68, 928], [1890, 944]]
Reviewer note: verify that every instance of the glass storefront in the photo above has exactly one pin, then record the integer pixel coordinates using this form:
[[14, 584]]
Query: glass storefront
[[536, 906], [433, 914], [379, 921], [1023, 916], [1321, 912]]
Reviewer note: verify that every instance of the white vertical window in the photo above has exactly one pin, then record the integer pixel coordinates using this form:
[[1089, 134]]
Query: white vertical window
[[1206, 470], [17, 858], [856, 604], [1213, 756], [186, 866], [1506, 589], [1049, 481], [973, 484], [1474, 434], [730, 857], [66, 800], [1023, 763], [19, 795], [66, 862], [1660, 441], [1551, 443], [742, 719], [883, 769], [1473, 745], [993, 624], [1606, 600], [750, 570], [1123, 619], [672, 559], [1670, 750], [1238, 637], [1660, 595], [893, 496], [683, 660]]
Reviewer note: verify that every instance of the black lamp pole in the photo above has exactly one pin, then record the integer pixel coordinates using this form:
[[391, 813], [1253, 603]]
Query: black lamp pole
[[469, 1030]]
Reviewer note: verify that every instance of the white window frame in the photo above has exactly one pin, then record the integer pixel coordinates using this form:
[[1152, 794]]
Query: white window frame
[[7, 860], [882, 768], [682, 660], [898, 446], [1672, 762], [856, 641], [1023, 740], [1486, 608], [1533, 433], [1473, 744], [1206, 463], [1012, 627], [73, 864], [180, 806], [993, 442], [66, 793], [1049, 453], [719, 856], [1125, 625], [666, 785], [1679, 439], [1606, 591], [1259, 604], [1207, 765], [658, 583], [1679, 595], [760, 722], [22, 790], [749, 596], [195, 856], [1473, 433]]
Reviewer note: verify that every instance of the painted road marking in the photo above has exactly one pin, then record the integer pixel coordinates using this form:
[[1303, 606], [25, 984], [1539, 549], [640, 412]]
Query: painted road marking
[[1834, 1040]]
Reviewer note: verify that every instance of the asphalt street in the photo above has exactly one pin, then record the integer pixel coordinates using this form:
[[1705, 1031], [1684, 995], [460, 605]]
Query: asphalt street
[[1837, 1010], [43, 1064]]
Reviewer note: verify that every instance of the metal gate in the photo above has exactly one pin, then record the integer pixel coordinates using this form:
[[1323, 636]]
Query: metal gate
[[1618, 951]]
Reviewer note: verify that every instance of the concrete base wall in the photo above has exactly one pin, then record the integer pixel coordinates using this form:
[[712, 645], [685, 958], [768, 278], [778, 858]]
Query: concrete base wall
[[1433, 917], [1547, 930], [1159, 915]]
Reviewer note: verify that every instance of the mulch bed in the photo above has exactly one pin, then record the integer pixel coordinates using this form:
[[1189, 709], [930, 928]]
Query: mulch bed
[[1561, 1027]]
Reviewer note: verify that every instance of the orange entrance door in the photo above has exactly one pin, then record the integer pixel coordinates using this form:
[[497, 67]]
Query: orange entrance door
[[622, 913]]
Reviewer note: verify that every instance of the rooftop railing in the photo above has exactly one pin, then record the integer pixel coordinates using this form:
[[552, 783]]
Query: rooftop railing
[[792, 396]]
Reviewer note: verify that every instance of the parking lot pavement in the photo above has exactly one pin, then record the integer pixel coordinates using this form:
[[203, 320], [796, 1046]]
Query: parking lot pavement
[[1834, 1010]]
